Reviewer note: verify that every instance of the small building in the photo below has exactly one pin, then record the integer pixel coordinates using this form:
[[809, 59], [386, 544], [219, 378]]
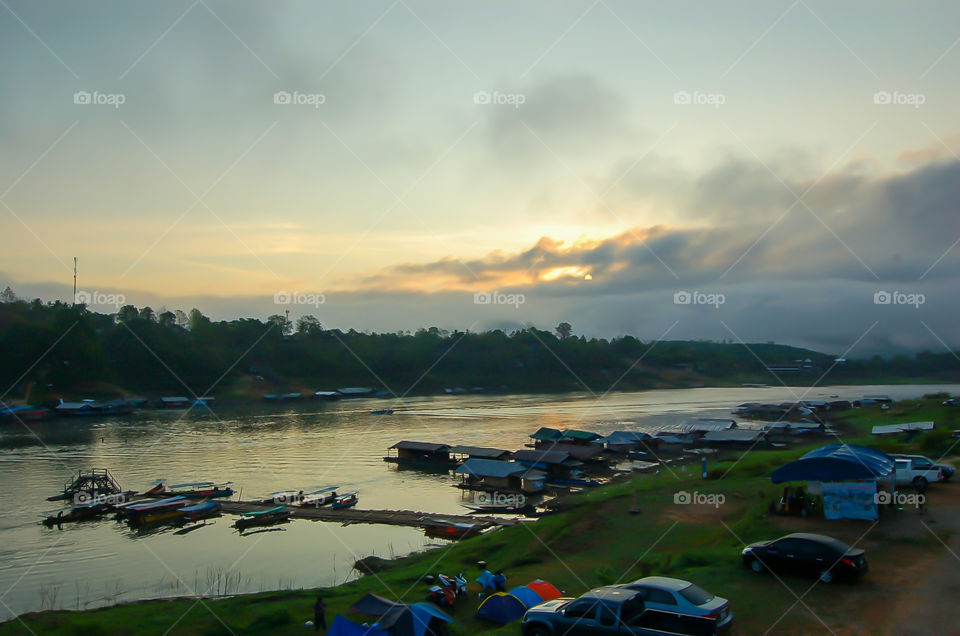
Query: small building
[[574, 436], [356, 392], [500, 475], [77, 409], [426, 455], [707, 424], [177, 402], [581, 452], [546, 435], [734, 437], [463, 453], [554, 463], [626, 441]]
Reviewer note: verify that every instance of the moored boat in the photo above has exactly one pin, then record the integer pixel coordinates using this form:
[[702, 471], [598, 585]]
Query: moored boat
[[280, 514], [345, 500], [80, 512], [450, 529], [141, 513], [198, 511], [199, 490]]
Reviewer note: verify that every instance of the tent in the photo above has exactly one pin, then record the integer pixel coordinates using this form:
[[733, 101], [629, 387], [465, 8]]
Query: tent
[[838, 462], [399, 619], [544, 590], [345, 627], [501, 608], [528, 597]]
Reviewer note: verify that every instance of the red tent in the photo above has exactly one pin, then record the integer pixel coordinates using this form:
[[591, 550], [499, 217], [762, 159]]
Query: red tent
[[546, 591]]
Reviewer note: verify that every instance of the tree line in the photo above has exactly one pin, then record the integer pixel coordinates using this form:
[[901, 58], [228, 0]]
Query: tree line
[[63, 349]]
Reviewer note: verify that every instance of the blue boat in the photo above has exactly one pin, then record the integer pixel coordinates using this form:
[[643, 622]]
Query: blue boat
[[202, 510], [279, 514]]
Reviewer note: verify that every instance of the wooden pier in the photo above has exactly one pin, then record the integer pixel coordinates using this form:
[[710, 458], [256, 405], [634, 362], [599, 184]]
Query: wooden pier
[[347, 516]]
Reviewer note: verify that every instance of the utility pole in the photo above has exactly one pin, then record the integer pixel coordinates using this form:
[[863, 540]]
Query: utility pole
[[74, 280]]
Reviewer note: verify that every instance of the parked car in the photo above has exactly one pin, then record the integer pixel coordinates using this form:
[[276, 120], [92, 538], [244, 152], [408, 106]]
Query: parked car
[[920, 462], [683, 597], [807, 554], [614, 609], [911, 472]]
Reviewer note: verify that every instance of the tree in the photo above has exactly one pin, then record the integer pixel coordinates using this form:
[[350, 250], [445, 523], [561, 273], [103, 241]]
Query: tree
[[146, 313], [127, 313], [197, 319], [7, 296], [564, 330], [282, 324], [167, 319], [181, 318], [308, 325]]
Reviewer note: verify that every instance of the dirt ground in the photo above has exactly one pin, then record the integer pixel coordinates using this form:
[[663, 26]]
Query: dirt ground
[[913, 586]]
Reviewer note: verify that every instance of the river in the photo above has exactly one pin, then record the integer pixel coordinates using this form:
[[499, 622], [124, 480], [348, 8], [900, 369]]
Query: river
[[262, 449]]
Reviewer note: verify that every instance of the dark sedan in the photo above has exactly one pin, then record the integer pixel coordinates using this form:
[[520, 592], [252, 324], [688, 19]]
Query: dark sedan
[[807, 554]]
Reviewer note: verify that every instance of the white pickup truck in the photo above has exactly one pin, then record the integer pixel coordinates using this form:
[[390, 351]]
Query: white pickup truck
[[911, 472]]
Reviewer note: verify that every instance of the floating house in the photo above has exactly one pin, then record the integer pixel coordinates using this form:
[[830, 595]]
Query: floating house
[[356, 392], [426, 455], [626, 441], [580, 452], [734, 437], [464, 453], [327, 395], [500, 475], [546, 436], [554, 463], [174, 403]]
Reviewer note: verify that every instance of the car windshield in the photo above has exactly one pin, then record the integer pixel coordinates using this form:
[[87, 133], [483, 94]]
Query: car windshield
[[696, 595]]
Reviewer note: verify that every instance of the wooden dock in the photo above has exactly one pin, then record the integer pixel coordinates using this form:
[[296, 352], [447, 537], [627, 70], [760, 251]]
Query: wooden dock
[[347, 516]]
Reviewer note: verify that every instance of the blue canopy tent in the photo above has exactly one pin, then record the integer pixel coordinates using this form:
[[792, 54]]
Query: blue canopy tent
[[838, 462], [846, 475], [528, 597], [501, 608]]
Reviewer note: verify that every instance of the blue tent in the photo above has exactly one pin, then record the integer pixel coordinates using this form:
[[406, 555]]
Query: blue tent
[[528, 597], [838, 462], [344, 627], [501, 608]]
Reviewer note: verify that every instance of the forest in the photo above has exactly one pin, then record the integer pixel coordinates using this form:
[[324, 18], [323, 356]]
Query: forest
[[61, 350]]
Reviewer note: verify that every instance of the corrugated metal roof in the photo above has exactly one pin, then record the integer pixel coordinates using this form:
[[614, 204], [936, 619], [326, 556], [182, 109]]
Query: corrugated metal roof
[[480, 451], [428, 447], [491, 468], [541, 456], [547, 434], [732, 436], [838, 462]]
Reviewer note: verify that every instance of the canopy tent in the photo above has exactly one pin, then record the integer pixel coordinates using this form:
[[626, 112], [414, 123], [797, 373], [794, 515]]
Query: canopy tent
[[502, 608], [544, 590], [344, 627], [838, 462], [528, 597]]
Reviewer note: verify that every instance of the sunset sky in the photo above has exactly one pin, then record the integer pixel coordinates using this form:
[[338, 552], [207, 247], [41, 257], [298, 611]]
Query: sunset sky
[[546, 150]]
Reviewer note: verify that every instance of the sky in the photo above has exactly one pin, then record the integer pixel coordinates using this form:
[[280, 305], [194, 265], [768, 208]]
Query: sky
[[744, 171]]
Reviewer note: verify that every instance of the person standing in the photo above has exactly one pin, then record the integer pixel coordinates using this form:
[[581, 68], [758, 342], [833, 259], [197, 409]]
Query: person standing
[[319, 615]]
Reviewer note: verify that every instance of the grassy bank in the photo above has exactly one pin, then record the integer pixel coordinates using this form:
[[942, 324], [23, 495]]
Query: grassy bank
[[596, 541]]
